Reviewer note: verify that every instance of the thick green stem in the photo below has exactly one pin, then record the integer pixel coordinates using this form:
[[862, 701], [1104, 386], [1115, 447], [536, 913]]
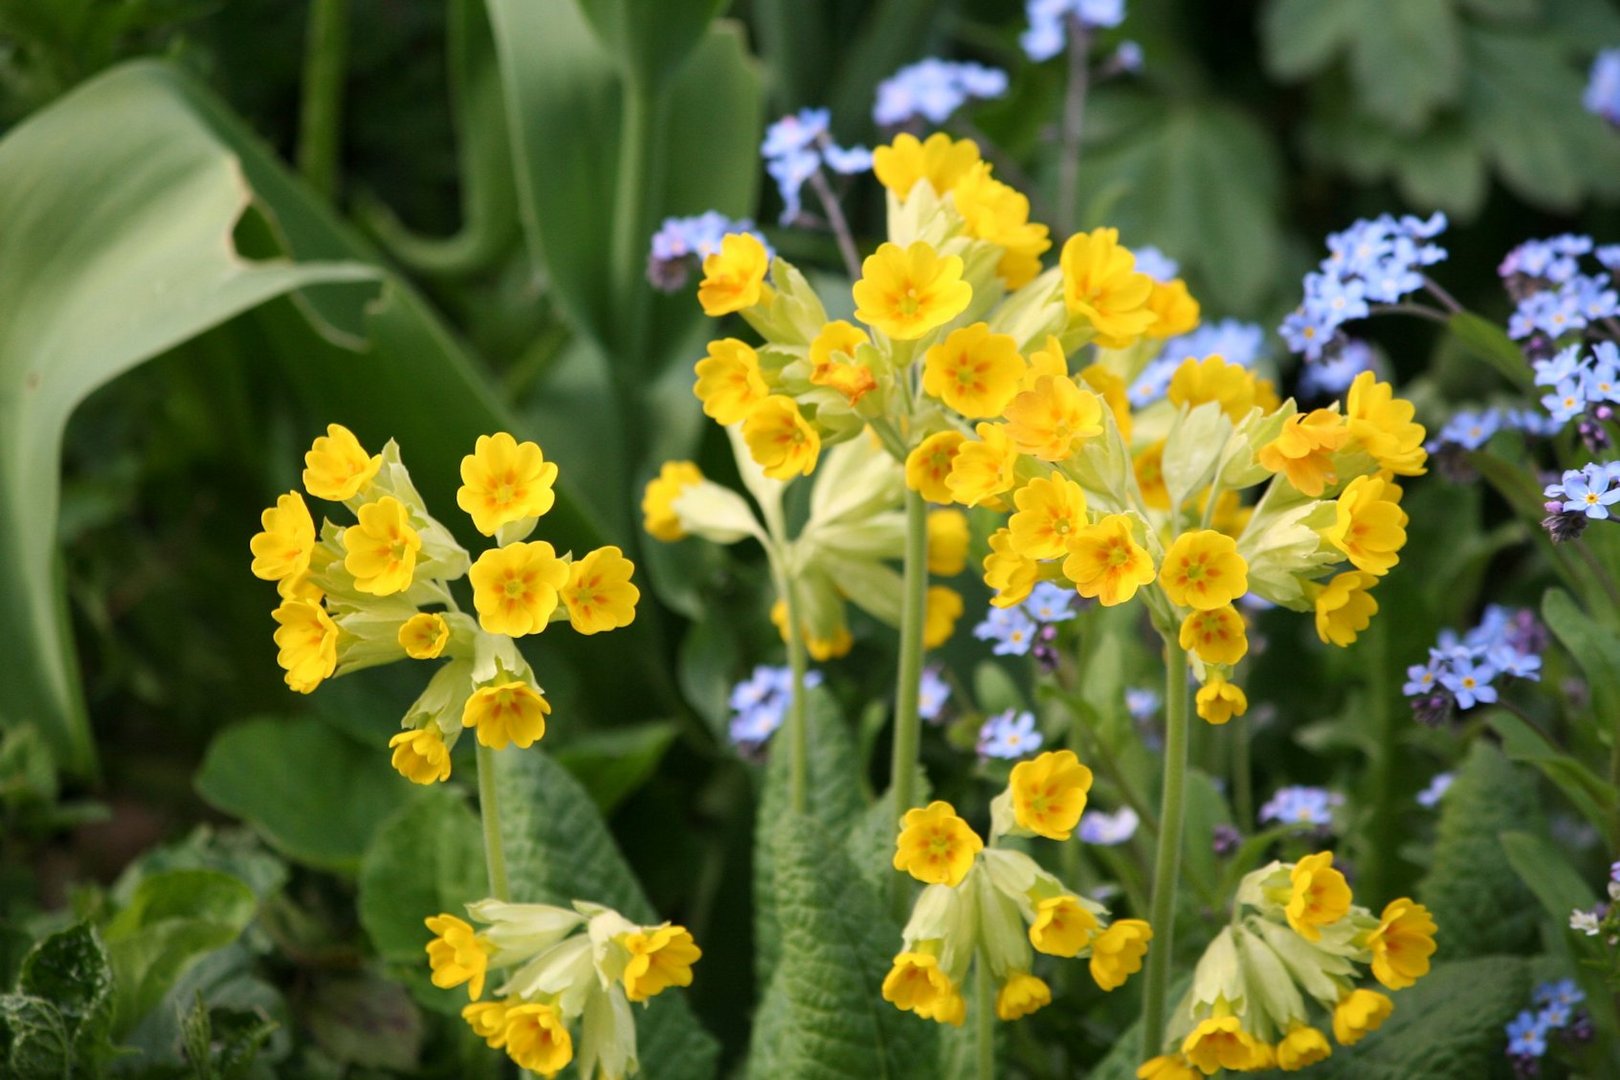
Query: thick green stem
[[325, 63], [489, 809], [637, 178], [1242, 774], [1167, 862], [907, 725], [797, 724], [984, 1020], [1383, 821], [1074, 118]]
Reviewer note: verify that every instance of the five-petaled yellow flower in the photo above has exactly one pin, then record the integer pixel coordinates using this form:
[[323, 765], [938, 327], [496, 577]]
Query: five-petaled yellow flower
[[1217, 635], [283, 549], [1174, 308], [1303, 451], [999, 213], [734, 276], [599, 595], [337, 467], [1203, 570], [503, 481], [1102, 287], [729, 381], [658, 515], [1402, 944], [929, 464], [1345, 607], [508, 712], [1021, 994], [917, 984], [935, 846], [906, 292], [536, 1038], [1219, 1042], [420, 756], [515, 587], [660, 957], [1062, 926], [1106, 563], [1051, 420], [424, 635], [974, 371], [1218, 700], [942, 606], [1167, 1067], [1369, 525], [1116, 953], [1197, 382], [307, 639], [780, 439], [1302, 1046], [1383, 424], [1010, 574], [1050, 511], [1049, 793], [456, 955], [1318, 895], [983, 468], [940, 160], [382, 548], [1359, 1013]]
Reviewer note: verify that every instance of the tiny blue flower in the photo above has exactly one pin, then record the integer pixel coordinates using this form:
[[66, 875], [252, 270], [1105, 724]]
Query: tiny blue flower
[[1602, 97], [1142, 703], [1128, 57], [1048, 30], [1566, 363], [1590, 491], [760, 703], [1526, 1035], [1510, 661], [1430, 796], [1421, 678], [1009, 735], [1300, 806], [1470, 683], [1011, 629], [1563, 992], [1330, 377], [1156, 264], [932, 694], [1567, 401], [1049, 602], [1108, 830], [934, 89]]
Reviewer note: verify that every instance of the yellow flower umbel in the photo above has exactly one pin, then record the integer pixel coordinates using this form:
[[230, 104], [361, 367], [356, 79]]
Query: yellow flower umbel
[[505, 481], [734, 276], [974, 371], [906, 292], [1102, 288]]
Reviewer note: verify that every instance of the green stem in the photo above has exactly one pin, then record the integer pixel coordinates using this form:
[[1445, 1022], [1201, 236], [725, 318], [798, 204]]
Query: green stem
[[1384, 822], [489, 809], [798, 728], [1074, 118], [907, 725], [325, 62], [984, 1020], [1167, 862], [1242, 775], [636, 178]]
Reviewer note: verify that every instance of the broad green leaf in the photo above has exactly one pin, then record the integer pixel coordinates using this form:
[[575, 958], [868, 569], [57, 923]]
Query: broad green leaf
[[35, 1041], [236, 852], [613, 764], [1303, 36], [366, 1021], [1490, 343], [1593, 645], [1547, 874], [118, 212], [650, 38], [315, 795], [1594, 796], [71, 970], [1407, 60], [1445, 169]]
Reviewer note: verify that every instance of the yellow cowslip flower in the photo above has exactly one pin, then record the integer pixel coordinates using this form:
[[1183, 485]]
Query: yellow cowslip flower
[[974, 371], [1359, 1013], [1203, 570], [599, 595], [658, 515], [281, 552], [1010, 574], [382, 548], [1049, 793], [729, 381], [906, 292], [306, 640], [999, 214], [942, 607], [1303, 451], [515, 587], [1167, 1067], [1106, 563], [1021, 994], [1051, 420], [1219, 1042], [420, 756], [1402, 944], [1101, 286], [503, 481], [929, 463], [1049, 359], [917, 984], [337, 467], [941, 161], [1213, 379], [1216, 635], [1116, 953], [1302, 1046], [660, 957], [1050, 510], [1062, 926], [488, 1021], [1149, 469], [935, 846], [508, 712], [1382, 424], [536, 1037], [1218, 700], [1318, 896], [734, 276], [1110, 386], [1369, 526], [948, 539], [1174, 307], [1345, 607], [780, 439], [833, 364], [983, 468], [424, 635], [299, 588], [456, 955], [821, 649]]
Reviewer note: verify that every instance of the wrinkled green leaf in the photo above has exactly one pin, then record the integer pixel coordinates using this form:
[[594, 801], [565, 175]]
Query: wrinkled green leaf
[[35, 1040], [366, 1021], [71, 971], [1590, 793], [1547, 874], [613, 764], [1594, 646]]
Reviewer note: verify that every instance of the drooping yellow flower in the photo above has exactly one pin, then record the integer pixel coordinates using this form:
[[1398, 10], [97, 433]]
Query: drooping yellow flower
[[929, 463], [1218, 701], [1149, 469], [917, 984], [998, 213], [734, 276], [515, 587], [1102, 286], [306, 638], [941, 161], [1174, 307], [382, 548], [282, 550], [1219, 1042], [1049, 359], [1345, 607], [729, 381], [780, 439], [660, 957], [974, 371], [1302, 1046], [935, 846], [1166, 1067], [1062, 926], [983, 468], [1049, 793], [599, 595], [1402, 944], [1382, 423], [821, 649], [1303, 451], [537, 1039], [906, 292], [1213, 379], [456, 955], [1051, 421], [1010, 574], [941, 609], [1116, 953], [1110, 386], [509, 712], [1369, 526], [833, 364], [1216, 635], [337, 467], [1050, 511], [1106, 563], [1021, 994], [424, 635], [420, 756], [488, 1021], [1318, 896], [1203, 570], [1359, 1013], [948, 539], [503, 481], [658, 515]]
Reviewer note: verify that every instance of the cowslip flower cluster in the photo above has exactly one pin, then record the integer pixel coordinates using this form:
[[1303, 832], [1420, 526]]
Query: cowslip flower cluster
[[562, 970], [1303, 806], [1048, 30], [1009, 735], [996, 906], [1296, 940], [796, 147], [682, 243], [1466, 671], [1555, 1012], [1377, 261], [1602, 95], [379, 590], [759, 704], [933, 90], [1553, 296]]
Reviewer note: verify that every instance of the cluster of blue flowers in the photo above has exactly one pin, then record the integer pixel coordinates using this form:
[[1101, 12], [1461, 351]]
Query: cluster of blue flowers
[[795, 149], [1029, 625], [1469, 429], [682, 243], [1430, 796], [1555, 1010], [1009, 735], [1582, 380], [1301, 805], [1602, 97], [1372, 262], [1108, 830], [760, 703], [934, 89], [1581, 496], [1333, 375], [1235, 341], [1048, 31], [1463, 671], [1553, 296]]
